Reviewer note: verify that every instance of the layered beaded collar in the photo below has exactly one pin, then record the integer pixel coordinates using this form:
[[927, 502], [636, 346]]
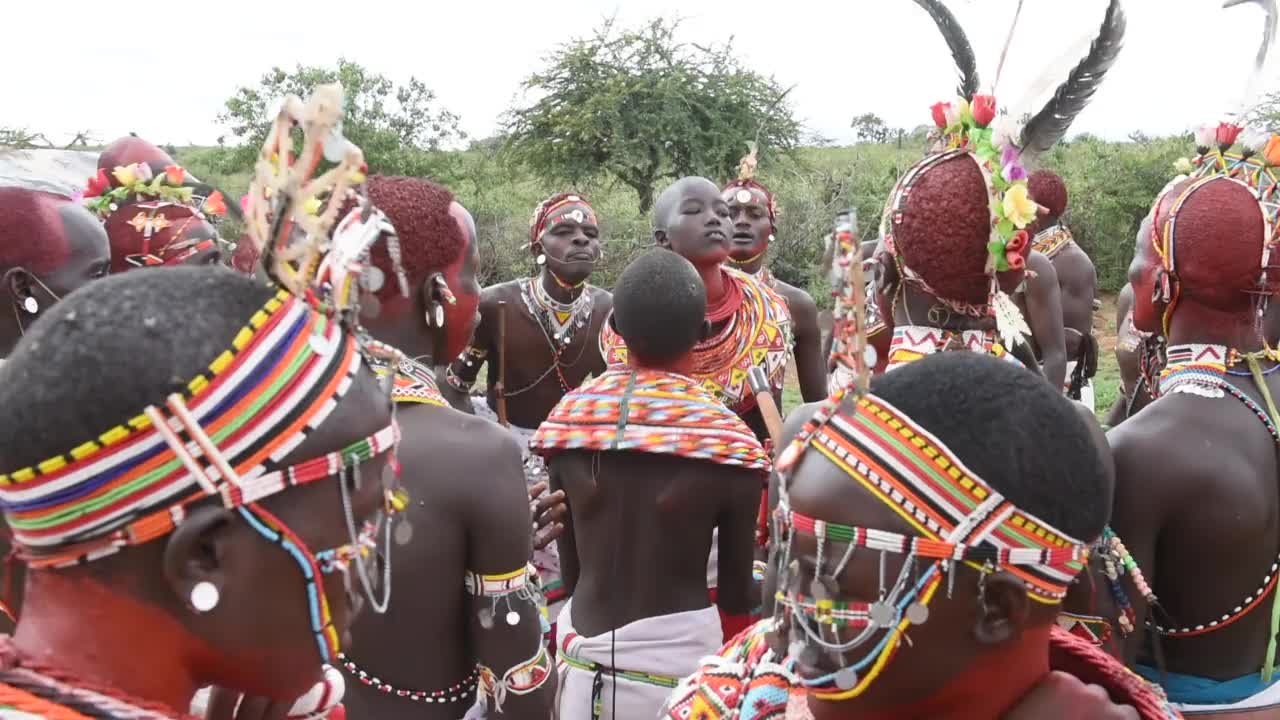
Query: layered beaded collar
[[913, 342], [558, 320]]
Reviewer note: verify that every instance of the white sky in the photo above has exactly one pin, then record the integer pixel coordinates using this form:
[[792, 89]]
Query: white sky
[[75, 65]]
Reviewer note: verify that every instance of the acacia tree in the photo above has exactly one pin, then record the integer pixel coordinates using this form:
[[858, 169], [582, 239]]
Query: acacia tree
[[639, 106], [871, 128], [400, 128]]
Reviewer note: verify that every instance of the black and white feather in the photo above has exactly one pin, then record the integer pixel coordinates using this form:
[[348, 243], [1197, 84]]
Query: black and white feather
[[1050, 125], [958, 42], [1260, 60]]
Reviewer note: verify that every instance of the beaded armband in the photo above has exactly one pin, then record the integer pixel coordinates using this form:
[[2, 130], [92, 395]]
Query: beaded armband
[[469, 362], [521, 584]]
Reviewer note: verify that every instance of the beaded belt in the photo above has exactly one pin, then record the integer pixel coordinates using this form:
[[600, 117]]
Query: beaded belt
[[597, 684], [463, 690]]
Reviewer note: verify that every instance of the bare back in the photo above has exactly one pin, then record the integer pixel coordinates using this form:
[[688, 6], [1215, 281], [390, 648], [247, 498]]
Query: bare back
[[641, 524], [1198, 505], [1078, 281]]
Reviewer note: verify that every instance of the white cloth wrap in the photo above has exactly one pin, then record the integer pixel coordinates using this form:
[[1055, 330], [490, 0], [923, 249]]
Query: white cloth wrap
[[667, 645]]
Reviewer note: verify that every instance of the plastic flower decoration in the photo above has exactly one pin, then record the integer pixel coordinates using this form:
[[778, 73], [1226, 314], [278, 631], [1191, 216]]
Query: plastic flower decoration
[[1182, 166], [992, 138], [1206, 137], [103, 196], [215, 204], [1226, 135]]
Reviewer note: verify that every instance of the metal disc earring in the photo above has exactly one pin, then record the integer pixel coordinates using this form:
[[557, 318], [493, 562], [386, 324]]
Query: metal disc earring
[[30, 305]]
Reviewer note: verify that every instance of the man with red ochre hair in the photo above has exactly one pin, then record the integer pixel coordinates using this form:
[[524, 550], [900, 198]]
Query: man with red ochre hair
[[155, 213], [439, 649], [1077, 281], [1203, 275], [932, 275], [49, 246], [754, 213], [552, 321]]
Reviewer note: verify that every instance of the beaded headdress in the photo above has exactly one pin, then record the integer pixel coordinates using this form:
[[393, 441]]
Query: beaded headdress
[[970, 126], [226, 432], [549, 210], [747, 182], [1226, 152], [156, 208]]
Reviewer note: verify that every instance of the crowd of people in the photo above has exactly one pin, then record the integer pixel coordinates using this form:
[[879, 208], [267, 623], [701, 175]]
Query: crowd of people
[[221, 458]]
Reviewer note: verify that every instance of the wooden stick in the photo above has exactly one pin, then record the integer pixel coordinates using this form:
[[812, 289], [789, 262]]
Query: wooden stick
[[768, 407], [501, 388]]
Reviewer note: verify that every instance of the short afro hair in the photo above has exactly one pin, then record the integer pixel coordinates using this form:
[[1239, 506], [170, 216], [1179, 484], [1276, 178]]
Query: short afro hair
[[944, 229], [1047, 189], [1045, 458], [430, 239], [1217, 243], [659, 304], [32, 234], [126, 341]]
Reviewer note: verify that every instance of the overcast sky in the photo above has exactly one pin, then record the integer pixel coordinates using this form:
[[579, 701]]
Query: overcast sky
[[75, 65]]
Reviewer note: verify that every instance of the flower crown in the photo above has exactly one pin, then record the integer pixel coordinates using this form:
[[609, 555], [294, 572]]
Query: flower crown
[[1255, 162], [977, 128], [137, 181]]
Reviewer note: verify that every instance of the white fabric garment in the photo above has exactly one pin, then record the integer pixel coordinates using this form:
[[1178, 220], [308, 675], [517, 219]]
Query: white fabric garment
[[1086, 392], [547, 560], [666, 645]]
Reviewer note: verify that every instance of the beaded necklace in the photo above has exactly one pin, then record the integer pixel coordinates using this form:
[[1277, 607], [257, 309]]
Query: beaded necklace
[[757, 334], [558, 320], [460, 691], [913, 342], [1198, 369], [1052, 240]]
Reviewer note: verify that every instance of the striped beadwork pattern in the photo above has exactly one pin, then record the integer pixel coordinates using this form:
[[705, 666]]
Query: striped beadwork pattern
[[1051, 241], [913, 342], [414, 384], [649, 411], [1195, 369], [959, 515], [496, 585], [282, 376], [744, 681], [758, 335]]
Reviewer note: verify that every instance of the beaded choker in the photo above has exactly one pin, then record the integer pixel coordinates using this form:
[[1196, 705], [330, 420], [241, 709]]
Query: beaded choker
[[649, 411], [759, 333], [912, 342], [959, 518], [1051, 241], [558, 320], [1196, 369]]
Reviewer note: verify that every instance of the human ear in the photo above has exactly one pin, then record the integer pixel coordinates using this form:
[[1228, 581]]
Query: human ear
[[1003, 609], [194, 556], [661, 240]]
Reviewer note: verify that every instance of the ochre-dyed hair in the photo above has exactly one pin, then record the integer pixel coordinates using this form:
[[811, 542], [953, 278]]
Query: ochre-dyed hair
[[945, 227], [1048, 189], [132, 149], [430, 238], [1217, 245], [31, 232], [126, 239]]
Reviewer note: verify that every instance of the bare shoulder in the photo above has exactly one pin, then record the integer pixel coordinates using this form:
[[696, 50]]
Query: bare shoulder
[[1073, 262], [466, 451], [1042, 266], [1175, 443], [491, 295], [601, 297], [800, 301]]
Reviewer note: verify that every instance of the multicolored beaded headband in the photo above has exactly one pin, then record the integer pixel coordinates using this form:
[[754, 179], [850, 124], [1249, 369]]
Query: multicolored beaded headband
[[960, 519], [547, 212], [137, 181], [282, 376], [746, 183]]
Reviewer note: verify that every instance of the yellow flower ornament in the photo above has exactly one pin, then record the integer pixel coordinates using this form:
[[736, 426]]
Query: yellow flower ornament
[[1018, 206]]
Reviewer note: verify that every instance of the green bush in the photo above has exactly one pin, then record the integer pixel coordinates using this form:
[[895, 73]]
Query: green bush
[[1112, 185]]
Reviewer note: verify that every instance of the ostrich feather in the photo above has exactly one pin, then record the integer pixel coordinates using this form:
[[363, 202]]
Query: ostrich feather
[[1260, 60], [958, 42], [1048, 126]]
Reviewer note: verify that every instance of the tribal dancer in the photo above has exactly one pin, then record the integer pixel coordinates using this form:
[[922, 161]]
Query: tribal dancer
[[1203, 276], [897, 514], [152, 211], [469, 521], [1077, 280], [552, 321], [651, 463], [753, 210], [49, 246], [750, 325]]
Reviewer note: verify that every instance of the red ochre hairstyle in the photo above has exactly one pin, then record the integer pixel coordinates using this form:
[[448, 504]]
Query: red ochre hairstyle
[[945, 227], [31, 231], [1217, 245], [430, 238], [1048, 189], [132, 149], [126, 239]]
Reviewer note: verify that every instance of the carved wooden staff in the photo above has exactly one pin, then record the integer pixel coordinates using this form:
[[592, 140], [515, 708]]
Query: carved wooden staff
[[768, 407], [501, 387]]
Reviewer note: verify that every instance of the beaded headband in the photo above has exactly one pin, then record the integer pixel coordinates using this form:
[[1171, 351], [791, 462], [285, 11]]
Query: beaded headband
[[747, 182], [283, 375], [959, 518], [547, 211]]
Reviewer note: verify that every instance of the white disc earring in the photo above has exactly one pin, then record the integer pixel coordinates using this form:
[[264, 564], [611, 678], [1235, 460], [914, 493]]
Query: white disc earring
[[30, 305], [770, 237], [541, 259], [439, 316], [204, 596]]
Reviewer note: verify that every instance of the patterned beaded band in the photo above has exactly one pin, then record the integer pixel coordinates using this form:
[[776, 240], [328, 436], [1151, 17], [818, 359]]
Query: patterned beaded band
[[459, 691]]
